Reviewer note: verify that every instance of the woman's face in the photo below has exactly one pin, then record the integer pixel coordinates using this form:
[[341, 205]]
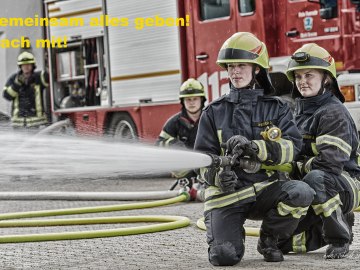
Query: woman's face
[[308, 81], [240, 74]]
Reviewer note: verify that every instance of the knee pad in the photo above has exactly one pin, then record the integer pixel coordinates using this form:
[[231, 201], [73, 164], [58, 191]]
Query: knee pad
[[299, 193], [316, 180], [225, 254]]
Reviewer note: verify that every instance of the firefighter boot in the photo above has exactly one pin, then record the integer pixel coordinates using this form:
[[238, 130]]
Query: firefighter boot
[[267, 246], [337, 251], [340, 250]]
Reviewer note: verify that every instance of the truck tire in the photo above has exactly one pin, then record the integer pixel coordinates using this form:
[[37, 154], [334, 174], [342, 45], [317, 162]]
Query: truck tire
[[122, 127]]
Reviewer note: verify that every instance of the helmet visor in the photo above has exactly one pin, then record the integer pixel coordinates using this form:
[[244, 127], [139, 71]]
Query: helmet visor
[[234, 54], [192, 92]]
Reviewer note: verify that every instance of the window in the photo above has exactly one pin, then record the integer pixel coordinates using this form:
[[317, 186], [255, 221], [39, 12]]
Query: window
[[70, 64], [211, 9], [328, 3], [246, 7], [328, 9]]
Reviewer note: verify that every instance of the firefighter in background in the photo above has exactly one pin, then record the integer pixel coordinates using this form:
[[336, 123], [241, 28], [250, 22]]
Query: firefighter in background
[[180, 129], [25, 90], [329, 154], [236, 120]]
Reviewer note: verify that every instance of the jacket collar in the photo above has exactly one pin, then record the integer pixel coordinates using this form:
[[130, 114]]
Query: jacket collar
[[311, 104], [241, 95]]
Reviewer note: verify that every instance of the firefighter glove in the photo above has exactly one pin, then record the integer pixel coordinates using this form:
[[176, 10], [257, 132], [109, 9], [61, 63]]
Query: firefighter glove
[[20, 78], [241, 146], [297, 172], [177, 144], [227, 180]]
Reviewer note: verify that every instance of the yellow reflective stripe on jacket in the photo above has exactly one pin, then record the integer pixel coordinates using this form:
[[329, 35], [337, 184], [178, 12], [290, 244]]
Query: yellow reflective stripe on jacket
[[262, 155], [229, 199], [28, 121], [212, 191], [328, 207], [314, 149], [332, 140], [11, 92], [165, 135], [299, 243], [287, 151], [355, 188], [261, 185], [284, 210], [307, 165], [15, 107], [38, 102]]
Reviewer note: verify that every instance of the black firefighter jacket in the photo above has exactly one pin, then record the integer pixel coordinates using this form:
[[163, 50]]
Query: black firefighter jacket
[[179, 130], [248, 112], [27, 99], [330, 137]]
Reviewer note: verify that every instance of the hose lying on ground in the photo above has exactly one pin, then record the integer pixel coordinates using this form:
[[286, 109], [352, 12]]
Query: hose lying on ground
[[88, 196], [172, 222]]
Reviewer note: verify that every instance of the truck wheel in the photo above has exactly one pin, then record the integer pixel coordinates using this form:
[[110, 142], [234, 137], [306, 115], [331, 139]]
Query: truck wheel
[[122, 127]]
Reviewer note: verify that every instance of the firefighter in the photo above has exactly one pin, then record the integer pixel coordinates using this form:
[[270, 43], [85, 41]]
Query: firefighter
[[25, 90], [180, 129], [237, 119], [329, 154]]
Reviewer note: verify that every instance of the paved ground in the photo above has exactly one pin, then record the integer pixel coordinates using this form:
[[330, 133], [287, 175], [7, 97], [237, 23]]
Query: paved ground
[[178, 249]]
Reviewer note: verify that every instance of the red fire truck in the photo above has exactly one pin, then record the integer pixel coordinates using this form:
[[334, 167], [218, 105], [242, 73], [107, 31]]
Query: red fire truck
[[121, 77]]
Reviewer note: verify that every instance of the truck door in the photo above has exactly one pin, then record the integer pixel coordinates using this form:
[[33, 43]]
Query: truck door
[[213, 22], [314, 22]]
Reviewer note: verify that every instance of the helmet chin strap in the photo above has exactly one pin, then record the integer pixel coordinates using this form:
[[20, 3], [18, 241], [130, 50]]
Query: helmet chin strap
[[322, 87]]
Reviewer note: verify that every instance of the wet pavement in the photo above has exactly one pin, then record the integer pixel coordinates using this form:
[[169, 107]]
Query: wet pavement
[[184, 248]]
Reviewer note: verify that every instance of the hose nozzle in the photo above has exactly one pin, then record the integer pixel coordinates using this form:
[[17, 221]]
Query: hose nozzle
[[220, 161]]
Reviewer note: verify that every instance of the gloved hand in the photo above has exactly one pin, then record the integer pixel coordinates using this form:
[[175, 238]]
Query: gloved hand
[[227, 180], [20, 78], [297, 172], [177, 144], [240, 145]]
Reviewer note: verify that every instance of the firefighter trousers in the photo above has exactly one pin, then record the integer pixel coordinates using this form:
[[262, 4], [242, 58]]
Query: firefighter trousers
[[280, 205], [327, 221]]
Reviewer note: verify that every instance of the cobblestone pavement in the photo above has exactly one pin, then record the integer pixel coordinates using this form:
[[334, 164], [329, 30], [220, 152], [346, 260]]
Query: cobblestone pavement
[[184, 248]]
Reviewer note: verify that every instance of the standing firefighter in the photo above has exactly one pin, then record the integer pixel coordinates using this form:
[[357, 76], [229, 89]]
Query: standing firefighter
[[25, 89], [329, 154], [180, 130], [234, 194]]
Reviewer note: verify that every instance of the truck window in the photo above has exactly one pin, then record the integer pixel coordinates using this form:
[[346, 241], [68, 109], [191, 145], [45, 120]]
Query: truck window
[[246, 7], [212, 9], [328, 9], [69, 64]]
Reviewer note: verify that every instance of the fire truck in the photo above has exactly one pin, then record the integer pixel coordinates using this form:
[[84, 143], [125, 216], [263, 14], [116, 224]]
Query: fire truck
[[121, 77]]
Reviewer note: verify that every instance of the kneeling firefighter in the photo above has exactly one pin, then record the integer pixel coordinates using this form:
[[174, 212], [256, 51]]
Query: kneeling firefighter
[[328, 161], [180, 129], [233, 125]]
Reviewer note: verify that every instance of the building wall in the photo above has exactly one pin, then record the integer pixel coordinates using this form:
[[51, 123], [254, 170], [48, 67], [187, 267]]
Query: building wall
[[8, 56]]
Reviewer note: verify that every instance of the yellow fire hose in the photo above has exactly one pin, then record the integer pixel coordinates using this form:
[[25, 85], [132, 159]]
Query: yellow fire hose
[[172, 222]]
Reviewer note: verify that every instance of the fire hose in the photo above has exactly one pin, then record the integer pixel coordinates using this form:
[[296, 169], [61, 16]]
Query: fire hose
[[171, 222]]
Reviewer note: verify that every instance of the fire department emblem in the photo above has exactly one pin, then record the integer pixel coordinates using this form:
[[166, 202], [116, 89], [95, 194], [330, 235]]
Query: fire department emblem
[[308, 23]]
